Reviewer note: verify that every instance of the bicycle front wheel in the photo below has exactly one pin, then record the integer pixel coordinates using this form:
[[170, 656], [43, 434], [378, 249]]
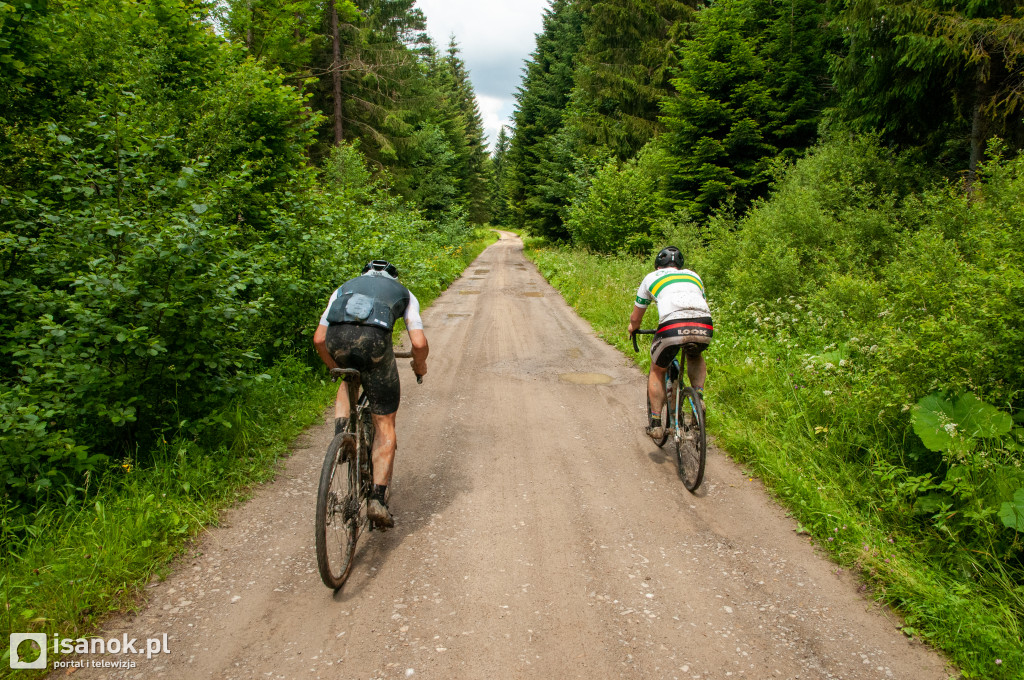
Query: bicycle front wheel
[[337, 511], [690, 438]]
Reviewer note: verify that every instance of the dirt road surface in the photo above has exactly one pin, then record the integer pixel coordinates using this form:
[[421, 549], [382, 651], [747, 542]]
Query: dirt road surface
[[539, 534]]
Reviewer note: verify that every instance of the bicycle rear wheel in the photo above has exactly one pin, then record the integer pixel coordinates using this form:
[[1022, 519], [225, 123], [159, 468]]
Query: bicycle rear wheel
[[337, 511], [690, 438]]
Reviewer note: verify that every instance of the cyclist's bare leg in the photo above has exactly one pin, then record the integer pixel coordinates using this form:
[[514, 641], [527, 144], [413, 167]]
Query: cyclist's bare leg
[[341, 404], [656, 388], [696, 371], [384, 445]]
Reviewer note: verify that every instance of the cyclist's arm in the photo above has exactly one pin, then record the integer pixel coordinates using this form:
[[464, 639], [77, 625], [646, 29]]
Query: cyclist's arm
[[420, 350], [635, 318], [643, 300], [320, 342], [414, 324], [320, 335]]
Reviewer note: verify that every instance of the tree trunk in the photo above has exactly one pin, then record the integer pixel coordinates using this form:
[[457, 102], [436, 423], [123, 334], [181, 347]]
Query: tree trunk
[[248, 31], [979, 129], [339, 128]]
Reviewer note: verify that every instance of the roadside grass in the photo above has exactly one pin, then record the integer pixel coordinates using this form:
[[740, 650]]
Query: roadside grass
[[92, 550], [811, 446], [73, 561]]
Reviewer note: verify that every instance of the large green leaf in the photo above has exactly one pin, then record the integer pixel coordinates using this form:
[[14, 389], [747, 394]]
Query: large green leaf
[[938, 421], [981, 420], [932, 417], [1012, 512]]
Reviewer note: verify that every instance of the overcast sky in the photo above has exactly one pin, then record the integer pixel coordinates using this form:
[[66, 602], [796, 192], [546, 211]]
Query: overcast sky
[[495, 37]]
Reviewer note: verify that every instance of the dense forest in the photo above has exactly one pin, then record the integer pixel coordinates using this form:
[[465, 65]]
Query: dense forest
[[846, 177], [698, 103], [182, 185]]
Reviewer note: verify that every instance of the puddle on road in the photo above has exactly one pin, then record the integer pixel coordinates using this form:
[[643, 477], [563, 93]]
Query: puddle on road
[[585, 378], [531, 293], [453, 316], [481, 271], [469, 292], [575, 353]]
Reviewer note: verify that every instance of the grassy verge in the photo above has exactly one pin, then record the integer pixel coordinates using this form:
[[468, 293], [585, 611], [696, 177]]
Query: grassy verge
[[73, 561], [799, 439]]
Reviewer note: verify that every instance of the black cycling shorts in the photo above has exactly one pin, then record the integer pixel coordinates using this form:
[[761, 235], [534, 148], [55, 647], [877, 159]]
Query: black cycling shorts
[[694, 335], [368, 350]]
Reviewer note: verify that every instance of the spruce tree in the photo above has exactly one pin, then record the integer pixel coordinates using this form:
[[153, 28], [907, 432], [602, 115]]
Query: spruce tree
[[538, 172], [750, 87], [622, 70], [499, 179], [935, 74], [474, 175]]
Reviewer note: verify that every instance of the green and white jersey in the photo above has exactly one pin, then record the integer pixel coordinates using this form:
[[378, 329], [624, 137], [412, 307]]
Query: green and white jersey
[[679, 294]]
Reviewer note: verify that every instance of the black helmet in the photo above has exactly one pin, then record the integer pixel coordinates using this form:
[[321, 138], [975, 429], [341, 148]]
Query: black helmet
[[382, 266], [669, 257]]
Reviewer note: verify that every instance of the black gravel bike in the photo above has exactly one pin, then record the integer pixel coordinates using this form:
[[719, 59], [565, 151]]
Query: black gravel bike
[[683, 417], [346, 481]]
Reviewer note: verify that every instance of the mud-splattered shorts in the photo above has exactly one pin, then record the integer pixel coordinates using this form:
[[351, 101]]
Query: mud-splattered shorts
[[368, 350], [693, 335]]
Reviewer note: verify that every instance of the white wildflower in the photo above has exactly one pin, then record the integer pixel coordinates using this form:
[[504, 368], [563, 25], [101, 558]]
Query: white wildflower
[[950, 429], [842, 362], [830, 366], [749, 362], [827, 393]]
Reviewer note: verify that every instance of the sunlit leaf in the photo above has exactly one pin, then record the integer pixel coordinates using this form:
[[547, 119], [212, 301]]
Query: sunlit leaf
[[1012, 512]]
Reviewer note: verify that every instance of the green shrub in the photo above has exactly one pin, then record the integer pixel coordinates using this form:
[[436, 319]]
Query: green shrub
[[622, 207]]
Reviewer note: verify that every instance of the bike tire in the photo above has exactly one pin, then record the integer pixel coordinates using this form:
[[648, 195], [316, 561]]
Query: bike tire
[[337, 510], [690, 438]]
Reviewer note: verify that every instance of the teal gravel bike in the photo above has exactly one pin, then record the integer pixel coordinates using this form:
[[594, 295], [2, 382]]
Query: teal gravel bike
[[683, 416]]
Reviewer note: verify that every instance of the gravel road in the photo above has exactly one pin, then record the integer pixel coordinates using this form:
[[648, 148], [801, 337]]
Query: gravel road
[[539, 534]]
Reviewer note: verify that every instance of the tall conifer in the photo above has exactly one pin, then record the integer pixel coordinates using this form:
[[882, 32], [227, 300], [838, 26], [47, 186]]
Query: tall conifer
[[622, 70], [929, 73], [750, 87], [536, 182]]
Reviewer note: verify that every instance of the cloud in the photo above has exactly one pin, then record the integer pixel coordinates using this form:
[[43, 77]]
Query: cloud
[[495, 111], [495, 38]]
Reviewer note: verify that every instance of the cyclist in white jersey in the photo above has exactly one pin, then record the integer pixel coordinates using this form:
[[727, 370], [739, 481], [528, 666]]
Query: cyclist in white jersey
[[684, 319]]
